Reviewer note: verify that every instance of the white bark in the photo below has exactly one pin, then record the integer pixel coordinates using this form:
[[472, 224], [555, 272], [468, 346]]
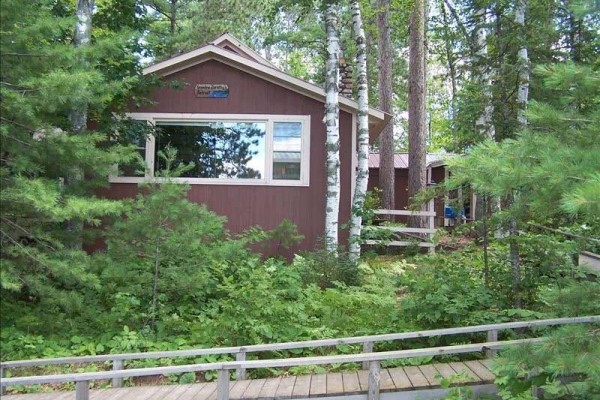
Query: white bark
[[523, 61], [78, 115], [82, 37], [484, 123], [332, 205], [362, 176]]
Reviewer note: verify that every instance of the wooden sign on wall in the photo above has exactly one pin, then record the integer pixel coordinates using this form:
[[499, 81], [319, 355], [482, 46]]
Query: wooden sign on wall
[[212, 91]]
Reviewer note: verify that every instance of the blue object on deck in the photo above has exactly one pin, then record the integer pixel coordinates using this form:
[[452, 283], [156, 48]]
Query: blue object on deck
[[452, 213], [449, 212]]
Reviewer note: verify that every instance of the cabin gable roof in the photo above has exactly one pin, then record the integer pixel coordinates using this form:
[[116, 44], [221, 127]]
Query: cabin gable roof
[[242, 57]]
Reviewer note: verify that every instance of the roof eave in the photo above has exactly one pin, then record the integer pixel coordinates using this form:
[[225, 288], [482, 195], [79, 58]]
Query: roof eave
[[377, 118]]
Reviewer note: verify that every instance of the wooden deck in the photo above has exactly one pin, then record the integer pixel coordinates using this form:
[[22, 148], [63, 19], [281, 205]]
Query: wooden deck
[[423, 377]]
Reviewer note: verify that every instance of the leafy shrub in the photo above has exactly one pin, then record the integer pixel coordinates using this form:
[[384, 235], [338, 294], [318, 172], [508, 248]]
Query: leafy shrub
[[257, 303], [448, 290], [325, 269]]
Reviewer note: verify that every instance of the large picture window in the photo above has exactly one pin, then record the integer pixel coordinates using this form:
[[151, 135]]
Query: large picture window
[[220, 150], [236, 149]]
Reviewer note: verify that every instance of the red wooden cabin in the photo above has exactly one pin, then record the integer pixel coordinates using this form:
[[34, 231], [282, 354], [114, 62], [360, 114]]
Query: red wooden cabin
[[255, 134]]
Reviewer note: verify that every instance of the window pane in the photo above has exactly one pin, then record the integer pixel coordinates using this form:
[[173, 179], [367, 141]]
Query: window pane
[[222, 150], [287, 146], [132, 132]]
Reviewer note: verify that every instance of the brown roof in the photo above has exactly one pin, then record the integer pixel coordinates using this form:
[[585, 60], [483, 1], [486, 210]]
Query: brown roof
[[401, 160]]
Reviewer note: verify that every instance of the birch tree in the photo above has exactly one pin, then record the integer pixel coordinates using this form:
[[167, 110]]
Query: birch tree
[[362, 176], [484, 124], [82, 36], [332, 201], [523, 64], [416, 105], [522, 99], [384, 91]]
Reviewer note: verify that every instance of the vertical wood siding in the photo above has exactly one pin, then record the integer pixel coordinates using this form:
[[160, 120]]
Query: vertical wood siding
[[265, 206]]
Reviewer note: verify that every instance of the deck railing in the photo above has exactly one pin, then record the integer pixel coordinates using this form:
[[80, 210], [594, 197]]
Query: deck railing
[[372, 359], [429, 231]]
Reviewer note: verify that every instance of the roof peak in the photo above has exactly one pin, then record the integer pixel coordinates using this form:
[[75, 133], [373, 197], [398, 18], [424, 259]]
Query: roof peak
[[229, 42]]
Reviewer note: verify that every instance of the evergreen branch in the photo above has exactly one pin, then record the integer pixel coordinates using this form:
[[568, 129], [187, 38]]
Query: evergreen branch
[[156, 8], [29, 234], [461, 26], [16, 243], [563, 232], [22, 55], [16, 123]]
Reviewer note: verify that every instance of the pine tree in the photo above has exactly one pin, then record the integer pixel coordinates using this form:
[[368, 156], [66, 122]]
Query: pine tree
[[417, 118], [40, 85], [385, 97]]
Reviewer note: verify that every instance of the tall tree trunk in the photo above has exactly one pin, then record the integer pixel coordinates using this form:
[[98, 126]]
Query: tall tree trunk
[[522, 100], [173, 17], [416, 106], [384, 90], [362, 177], [333, 130], [450, 58], [523, 62], [515, 260], [484, 123], [82, 36]]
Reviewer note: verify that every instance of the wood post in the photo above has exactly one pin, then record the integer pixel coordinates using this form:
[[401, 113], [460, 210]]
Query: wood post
[[2, 376], [223, 385], [240, 372], [431, 224], [492, 336], [374, 378], [82, 390], [117, 366], [367, 348]]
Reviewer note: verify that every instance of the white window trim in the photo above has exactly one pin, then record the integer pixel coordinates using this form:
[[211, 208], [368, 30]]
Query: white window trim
[[269, 120]]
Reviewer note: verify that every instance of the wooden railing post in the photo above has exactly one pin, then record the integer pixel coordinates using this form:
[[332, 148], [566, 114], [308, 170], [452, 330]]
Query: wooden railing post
[[374, 378], [223, 385], [82, 390], [431, 224], [367, 348], [117, 366], [240, 372], [2, 376], [492, 336]]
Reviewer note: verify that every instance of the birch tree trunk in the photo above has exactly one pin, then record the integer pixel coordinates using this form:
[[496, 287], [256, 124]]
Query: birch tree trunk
[[484, 123], [522, 99], [523, 60], [384, 91], [82, 37], [332, 205], [362, 176], [416, 106], [78, 115]]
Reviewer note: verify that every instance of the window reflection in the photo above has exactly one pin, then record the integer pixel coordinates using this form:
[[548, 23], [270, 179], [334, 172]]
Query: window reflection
[[287, 154], [222, 150]]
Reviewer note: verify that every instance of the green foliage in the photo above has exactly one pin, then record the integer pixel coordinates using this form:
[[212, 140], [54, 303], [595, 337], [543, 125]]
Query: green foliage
[[325, 269], [257, 303], [449, 290], [43, 78], [285, 235], [551, 168], [163, 258], [565, 366]]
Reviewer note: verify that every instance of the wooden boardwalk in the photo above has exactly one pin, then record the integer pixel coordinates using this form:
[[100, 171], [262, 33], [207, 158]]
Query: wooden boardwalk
[[414, 378]]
